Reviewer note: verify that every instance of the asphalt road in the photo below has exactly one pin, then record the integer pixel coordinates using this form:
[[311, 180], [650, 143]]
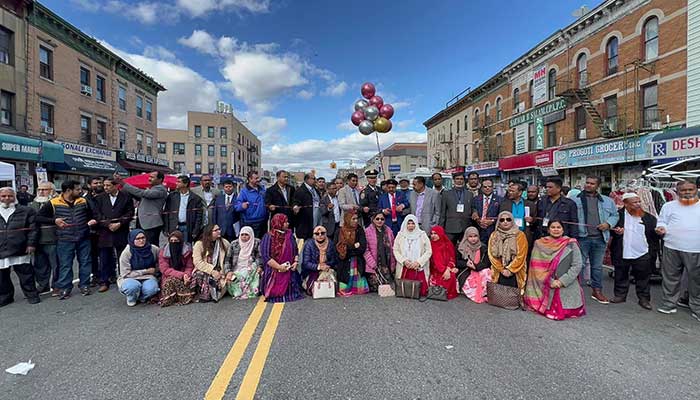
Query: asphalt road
[[364, 347]]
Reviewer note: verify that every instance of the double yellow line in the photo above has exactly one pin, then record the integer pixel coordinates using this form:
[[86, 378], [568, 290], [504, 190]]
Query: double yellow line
[[251, 379]]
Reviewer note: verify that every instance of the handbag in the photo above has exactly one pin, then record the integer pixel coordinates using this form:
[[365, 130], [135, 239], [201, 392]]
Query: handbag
[[324, 290], [408, 288], [435, 293], [384, 289], [507, 297]]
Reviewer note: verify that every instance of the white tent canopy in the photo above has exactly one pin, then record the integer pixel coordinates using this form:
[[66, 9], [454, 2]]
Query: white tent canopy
[[7, 173]]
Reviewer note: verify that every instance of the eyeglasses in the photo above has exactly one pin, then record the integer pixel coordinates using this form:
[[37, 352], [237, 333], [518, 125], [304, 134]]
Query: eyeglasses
[[319, 233], [505, 220]]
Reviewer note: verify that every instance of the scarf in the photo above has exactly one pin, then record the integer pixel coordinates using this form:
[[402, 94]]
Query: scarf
[[141, 257], [278, 236], [383, 248], [443, 251], [467, 250], [410, 240], [246, 247], [322, 250], [546, 255], [177, 249], [347, 235], [504, 243]]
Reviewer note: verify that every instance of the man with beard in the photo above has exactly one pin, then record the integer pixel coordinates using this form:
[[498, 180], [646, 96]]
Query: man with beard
[[114, 211], [533, 194], [46, 260], [369, 197], [96, 188], [678, 224], [473, 183], [633, 246]]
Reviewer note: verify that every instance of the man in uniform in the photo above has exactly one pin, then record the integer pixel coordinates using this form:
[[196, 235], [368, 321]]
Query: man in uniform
[[369, 197]]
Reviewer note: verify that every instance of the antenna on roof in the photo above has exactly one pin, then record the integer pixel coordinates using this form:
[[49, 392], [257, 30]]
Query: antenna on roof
[[580, 12]]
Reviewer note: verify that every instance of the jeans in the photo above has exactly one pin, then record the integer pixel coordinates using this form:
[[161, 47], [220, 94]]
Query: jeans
[[593, 251], [67, 251], [142, 290], [183, 229], [46, 265]]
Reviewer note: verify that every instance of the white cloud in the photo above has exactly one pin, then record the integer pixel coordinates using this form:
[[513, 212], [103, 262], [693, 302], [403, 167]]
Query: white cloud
[[145, 12], [400, 104], [198, 8], [201, 41], [305, 94], [161, 53], [336, 90], [404, 123], [266, 128], [346, 126]]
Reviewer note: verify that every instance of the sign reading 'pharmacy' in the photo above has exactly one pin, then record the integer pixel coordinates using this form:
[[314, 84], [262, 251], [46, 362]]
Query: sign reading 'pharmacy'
[[541, 111]]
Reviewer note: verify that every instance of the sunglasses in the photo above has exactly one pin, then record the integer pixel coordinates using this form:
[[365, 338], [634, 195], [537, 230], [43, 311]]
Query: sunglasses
[[379, 219], [505, 220], [319, 233]]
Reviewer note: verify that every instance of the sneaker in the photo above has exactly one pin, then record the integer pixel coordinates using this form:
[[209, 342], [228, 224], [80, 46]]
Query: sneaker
[[64, 295], [598, 296], [85, 291], [131, 303], [103, 288], [697, 317], [617, 300], [44, 290], [55, 292], [683, 302], [93, 281], [667, 310]]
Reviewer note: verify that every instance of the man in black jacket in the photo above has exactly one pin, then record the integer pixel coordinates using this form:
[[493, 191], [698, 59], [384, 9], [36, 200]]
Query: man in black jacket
[[278, 198], [18, 239], [183, 211], [555, 206], [307, 200], [96, 188]]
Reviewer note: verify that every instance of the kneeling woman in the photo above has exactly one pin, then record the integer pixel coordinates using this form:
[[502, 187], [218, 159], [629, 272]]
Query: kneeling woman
[[176, 266], [379, 256], [281, 279], [412, 251], [208, 255], [351, 245], [508, 253], [474, 265], [137, 269], [552, 286], [443, 265], [320, 260], [243, 265]]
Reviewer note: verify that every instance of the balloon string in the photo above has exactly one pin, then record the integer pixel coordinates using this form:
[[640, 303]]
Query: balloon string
[[379, 154]]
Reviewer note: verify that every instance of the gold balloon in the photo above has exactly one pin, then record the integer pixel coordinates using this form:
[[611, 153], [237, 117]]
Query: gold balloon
[[382, 125]]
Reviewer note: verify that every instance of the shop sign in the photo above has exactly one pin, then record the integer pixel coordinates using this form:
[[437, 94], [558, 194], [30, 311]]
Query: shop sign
[[481, 166], [539, 84], [539, 133], [537, 159], [677, 148], [609, 152], [521, 139], [549, 171], [394, 168], [41, 175], [80, 150], [21, 148], [529, 116]]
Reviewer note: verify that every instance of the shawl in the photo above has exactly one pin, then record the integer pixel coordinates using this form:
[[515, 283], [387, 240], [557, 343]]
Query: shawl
[[383, 248], [470, 251], [443, 251], [411, 241], [546, 255], [278, 236], [179, 249], [504, 244], [246, 247], [322, 250], [346, 236], [141, 257]]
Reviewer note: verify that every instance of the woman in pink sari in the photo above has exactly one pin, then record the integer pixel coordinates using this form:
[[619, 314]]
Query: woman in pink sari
[[474, 265], [281, 279], [552, 287]]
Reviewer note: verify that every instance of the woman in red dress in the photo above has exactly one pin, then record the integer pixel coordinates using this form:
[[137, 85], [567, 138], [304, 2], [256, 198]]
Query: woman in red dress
[[443, 266]]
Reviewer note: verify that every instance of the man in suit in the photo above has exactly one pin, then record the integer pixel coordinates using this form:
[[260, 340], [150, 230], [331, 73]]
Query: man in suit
[[394, 206], [208, 193], [150, 205], [349, 197], [278, 198], [455, 211], [308, 201], [224, 211], [95, 188], [183, 211], [369, 197], [515, 204], [485, 209], [321, 186], [330, 210], [556, 206], [425, 204], [114, 211]]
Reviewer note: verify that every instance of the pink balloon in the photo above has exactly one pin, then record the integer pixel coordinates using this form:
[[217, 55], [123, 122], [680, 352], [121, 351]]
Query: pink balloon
[[368, 90], [386, 111], [376, 101], [357, 117]]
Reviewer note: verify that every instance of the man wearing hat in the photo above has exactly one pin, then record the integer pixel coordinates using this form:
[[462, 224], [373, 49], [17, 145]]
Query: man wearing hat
[[634, 246], [369, 197], [456, 212], [404, 187], [394, 206]]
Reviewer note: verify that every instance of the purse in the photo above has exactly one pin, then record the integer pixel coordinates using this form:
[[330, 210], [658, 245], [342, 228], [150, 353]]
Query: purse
[[408, 288], [324, 290], [435, 293], [384, 289], [507, 297]]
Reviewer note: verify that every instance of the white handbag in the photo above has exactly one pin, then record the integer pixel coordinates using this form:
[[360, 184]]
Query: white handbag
[[324, 290]]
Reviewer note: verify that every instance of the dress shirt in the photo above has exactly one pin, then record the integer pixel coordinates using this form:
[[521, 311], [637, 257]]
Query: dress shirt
[[182, 212], [634, 240]]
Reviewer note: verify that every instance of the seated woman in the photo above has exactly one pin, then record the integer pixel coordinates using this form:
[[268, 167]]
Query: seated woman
[[379, 256], [443, 266], [176, 266], [474, 266], [319, 260], [208, 255], [508, 253], [281, 279], [243, 265], [552, 288], [412, 251], [137, 269], [351, 244]]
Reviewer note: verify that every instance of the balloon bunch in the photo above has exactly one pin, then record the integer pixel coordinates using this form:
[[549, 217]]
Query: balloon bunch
[[371, 114]]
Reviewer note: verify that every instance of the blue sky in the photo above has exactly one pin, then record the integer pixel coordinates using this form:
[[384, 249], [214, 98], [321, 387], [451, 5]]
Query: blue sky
[[293, 68]]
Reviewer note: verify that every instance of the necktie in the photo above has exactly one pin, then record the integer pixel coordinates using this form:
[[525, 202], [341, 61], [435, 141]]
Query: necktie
[[228, 201], [487, 202], [393, 207], [354, 194]]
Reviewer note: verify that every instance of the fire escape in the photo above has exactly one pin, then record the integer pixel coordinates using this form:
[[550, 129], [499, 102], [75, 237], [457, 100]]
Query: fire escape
[[580, 93], [481, 126]]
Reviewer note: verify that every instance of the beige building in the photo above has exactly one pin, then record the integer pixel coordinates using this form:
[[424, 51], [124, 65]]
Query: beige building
[[13, 67], [401, 158], [450, 139]]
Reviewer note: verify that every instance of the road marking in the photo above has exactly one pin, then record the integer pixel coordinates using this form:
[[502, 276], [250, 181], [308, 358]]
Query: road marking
[[218, 386], [252, 376]]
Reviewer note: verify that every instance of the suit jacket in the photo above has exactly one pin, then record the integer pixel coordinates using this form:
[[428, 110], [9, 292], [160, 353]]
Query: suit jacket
[[430, 216], [224, 216], [150, 205], [199, 191], [492, 212], [195, 215], [347, 201], [274, 197], [122, 211], [327, 216], [369, 197], [564, 209], [385, 203], [616, 245], [305, 216], [450, 219]]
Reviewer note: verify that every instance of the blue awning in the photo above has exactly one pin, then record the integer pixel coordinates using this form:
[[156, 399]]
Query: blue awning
[[88, 166], [676, 134]]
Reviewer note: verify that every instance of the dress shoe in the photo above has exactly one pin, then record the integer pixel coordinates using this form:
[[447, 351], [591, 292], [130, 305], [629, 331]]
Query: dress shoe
[[65, 294], [598, 296], [103, 288], [617, 300], [93, 281], [684, 302], [34, 300], [645, 304], [55, 292]]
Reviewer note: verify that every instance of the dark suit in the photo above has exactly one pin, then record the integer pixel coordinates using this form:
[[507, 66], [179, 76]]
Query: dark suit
[[328, 216], [194, 220], [274, 197], [369, 197], [305, 217], [564, 209], [110, 242], [455, 223], [224, 216], [491, 214], [507, 205], [385, 203]]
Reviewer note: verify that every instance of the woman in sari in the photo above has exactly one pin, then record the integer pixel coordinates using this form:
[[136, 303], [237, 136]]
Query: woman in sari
[[208, 256], [137, 269], [412, 251], [379, 256], [553, 289], [319, 260], [176, 266], [281, 280], [243, 265], [443, 265], [508, 253], [351, 244], [474, 265]]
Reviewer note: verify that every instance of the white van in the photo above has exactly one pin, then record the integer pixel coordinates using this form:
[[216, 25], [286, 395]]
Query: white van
[[427, 174]]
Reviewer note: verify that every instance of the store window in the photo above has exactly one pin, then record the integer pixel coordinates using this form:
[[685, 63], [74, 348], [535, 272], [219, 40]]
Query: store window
[[611, 51], [651, 39]]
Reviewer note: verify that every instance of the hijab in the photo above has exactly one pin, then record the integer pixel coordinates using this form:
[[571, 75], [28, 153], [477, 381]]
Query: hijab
[[504, 243], [322, 246], [246, 247], [141, 257], [176, 251], [467, 250], [411, 241], [278, 235], [443, 249], [347, 235]]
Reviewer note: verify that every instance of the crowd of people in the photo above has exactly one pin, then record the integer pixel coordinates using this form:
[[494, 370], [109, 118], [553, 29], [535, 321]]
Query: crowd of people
[[198, 244]]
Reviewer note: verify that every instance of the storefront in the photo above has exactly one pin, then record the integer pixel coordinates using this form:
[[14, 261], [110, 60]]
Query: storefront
[[137, 164], [25, 154], [82, 162], [676, 145], [484, 169], [531, 167]]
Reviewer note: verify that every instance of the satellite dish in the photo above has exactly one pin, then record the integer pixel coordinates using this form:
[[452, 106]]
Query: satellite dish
[[580, 12]]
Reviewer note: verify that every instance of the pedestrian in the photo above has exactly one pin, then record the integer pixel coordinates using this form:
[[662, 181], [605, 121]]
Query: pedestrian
[[95, 187], [474, 265], [369, 197], [404, 187], [223, 211], [443, 263], [319, 260], [73, 217], [208, 255], [351, 245], [208, 193], [330, 210], [413, 251], [455, 209], [394, 206], [349, 197], [281, 279], [243, 266], [307, 200], [23, 196], [508, 253], [114, 210], [176, 267], [278, 198], [183, 211], [380, 262], [151, 202], [321, 186], [437, 183], [137, 269], [250, 204], [556, 206], [634, 246], [485, 209], [678, 224], [597, 214], [473, 184], [46, 259], [533, 194], [18, 241], [425, 204], [523, 211]]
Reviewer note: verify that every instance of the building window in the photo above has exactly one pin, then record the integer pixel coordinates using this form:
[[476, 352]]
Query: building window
[[179, 167], [46, 118], [516, 99], [179, 148], [197, 149], [611, 113], [552, 84], [651, 39], [580, 121], [499, 140], [611, 51], [139, 106], [161, 148], [102, 133], [457, 126], [466, 123], [5, 45], [197, 131], [531, 94], [499, 109], [531, 136], [487, 119], [100, 88], [122, 138], [551, 135], [210, 131], [85, 129], [650, 109], [210, 150], [210, 167], [224, 168], [198, 168], [149, 144], [582, 70], [6, 107], [223, 150], [139, 142], [223, 133], [85, 81], [149, 110], [45, 63], [475, 123], [122, 98]]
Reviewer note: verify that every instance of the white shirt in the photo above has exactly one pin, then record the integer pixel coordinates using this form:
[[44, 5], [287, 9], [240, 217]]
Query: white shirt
[[6, 213], [336, 209], [208, 197], [182, 212], [228, 199], [113, 199], [634, 240], [682, 224]]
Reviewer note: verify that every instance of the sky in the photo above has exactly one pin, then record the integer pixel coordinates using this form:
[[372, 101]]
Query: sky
[[292, 69]]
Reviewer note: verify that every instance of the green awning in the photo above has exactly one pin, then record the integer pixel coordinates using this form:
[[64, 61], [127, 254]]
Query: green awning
[[22, 148]]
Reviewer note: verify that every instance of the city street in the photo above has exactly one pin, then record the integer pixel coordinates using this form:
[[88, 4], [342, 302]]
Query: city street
[[364, 347]]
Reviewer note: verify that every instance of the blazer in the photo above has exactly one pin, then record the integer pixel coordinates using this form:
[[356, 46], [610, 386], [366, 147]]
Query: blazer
[[15, 243], [450, 219], [369, 197], [347, 201], [385, 203], [150, 206], [305, 216], [492, 212], [430, 215], [274, 197], [224, 216], [122, 211], [328, 216], [564, 209], [199, 191], [616, 243], [195, 215]]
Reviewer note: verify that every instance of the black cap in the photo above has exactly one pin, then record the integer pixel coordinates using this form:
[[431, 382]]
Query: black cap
[[454, 174], [372, 173], [391, 182]]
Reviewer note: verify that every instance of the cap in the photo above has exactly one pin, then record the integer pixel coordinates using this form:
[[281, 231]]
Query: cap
[[629, 195], [404, 180], [391, 182], [454, 174], [372, 173]]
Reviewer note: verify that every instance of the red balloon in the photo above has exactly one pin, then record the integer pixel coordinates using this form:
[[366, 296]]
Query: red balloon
[[357, 117], [386, 111], [368, 90], [376, 101]]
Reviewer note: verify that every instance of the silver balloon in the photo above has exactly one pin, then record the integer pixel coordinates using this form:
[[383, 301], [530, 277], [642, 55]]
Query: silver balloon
[[366, 127], [371, 113], [361, 104]]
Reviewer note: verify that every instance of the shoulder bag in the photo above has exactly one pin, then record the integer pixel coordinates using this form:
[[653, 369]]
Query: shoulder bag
[[507, 297], [435, 293]]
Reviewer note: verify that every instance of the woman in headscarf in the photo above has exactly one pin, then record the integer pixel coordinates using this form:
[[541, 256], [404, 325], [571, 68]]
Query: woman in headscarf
[[443, 265], [281, 280], [319, 259], [379, 256], [208, 255], [412, 251], [508, 253], [243, 265], [351, 244], [137, 269], [176, 266], [553, 289], [474, 266]]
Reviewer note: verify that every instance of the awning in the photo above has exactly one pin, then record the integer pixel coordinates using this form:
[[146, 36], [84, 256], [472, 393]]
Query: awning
[[613, 151], [544, 158], [87, 166], [144, 167], [23, 148], [672, 145]]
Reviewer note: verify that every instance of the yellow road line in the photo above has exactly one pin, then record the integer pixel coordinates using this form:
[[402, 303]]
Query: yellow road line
[[218, 386], [252, 376]]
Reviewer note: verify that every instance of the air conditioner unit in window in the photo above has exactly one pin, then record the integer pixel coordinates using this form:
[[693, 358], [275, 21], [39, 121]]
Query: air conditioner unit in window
[[656, 125], [521, 106], [86, 89], [102, 141], [47, 130], [582, 133]]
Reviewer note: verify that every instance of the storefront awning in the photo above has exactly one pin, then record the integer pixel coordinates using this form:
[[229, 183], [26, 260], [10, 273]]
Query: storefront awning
[[537, 159], [87, 166], [672, 145], [144, 167], [614, 151], [23, 148]]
